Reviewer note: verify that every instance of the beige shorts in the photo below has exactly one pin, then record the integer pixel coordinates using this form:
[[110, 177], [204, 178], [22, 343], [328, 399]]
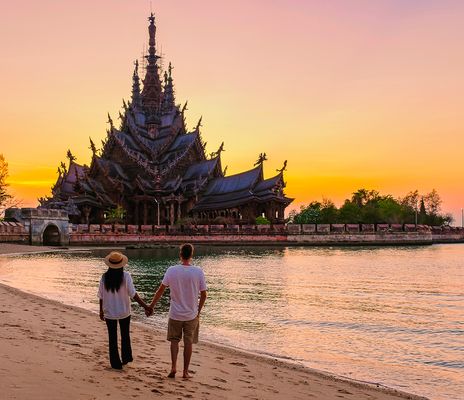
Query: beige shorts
[[189, 329]]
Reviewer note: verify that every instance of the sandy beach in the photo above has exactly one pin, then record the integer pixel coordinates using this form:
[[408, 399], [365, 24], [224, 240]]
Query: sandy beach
[[54, 351]]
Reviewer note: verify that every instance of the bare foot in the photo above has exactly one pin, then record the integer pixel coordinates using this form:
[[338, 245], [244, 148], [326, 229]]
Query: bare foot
[[172, 374], [186, 375]]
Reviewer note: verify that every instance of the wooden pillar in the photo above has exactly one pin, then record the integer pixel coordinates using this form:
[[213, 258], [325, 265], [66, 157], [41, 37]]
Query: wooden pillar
[[86, 211], [171, 213], [136, 212], [155, 214], [179, 211], [145, 213]]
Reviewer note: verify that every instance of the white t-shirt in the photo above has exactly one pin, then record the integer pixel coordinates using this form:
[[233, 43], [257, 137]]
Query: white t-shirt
[[117, 305], [185, 283]]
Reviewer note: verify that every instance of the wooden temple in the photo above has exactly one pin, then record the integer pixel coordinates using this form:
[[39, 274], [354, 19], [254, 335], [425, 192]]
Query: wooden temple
[[157, 171]]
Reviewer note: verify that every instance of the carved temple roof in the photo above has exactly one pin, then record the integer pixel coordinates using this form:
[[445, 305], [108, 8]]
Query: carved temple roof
[[235, 190]]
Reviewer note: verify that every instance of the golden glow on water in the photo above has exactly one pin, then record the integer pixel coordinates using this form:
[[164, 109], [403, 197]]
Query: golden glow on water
[[387, 315]]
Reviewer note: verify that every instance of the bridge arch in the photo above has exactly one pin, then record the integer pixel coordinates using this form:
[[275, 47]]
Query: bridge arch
[[51, 235]]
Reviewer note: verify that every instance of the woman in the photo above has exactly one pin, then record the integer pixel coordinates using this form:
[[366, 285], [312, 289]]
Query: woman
[[115, 291]]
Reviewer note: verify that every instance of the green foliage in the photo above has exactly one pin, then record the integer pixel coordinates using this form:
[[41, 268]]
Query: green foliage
[[308, 215], [370, 207], [390, 211], [115, 215], [350, 213], [262, 221], [187, 221]]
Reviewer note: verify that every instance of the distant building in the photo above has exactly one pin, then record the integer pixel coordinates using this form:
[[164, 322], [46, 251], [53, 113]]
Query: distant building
[[152, 169]]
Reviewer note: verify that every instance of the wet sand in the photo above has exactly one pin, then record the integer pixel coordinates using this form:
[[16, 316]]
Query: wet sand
[[54, 351]]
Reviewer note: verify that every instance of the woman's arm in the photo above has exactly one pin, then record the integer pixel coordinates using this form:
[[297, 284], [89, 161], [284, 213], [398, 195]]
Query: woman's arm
[[102, 316], [140, 301]]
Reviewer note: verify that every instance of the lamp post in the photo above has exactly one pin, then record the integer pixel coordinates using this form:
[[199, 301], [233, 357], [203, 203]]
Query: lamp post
[[158, 211], [462, 217]]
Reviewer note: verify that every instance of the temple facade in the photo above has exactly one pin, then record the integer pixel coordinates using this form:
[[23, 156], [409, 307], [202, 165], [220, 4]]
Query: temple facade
[[152, 170]]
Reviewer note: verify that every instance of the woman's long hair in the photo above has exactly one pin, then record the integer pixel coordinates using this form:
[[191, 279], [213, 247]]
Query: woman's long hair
[[113, 279]]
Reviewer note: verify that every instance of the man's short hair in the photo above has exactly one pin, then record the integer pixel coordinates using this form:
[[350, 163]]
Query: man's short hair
[[186, 251]]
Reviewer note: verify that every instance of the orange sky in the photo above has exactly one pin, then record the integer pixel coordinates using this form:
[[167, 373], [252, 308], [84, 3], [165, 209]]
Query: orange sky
[[353, 93]]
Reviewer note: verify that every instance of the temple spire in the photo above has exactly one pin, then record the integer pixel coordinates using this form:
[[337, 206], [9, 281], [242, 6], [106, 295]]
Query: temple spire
[[151, 94], [168, 103], [136, 99]]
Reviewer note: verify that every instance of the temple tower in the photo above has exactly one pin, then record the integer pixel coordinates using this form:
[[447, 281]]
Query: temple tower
[[151, 93]]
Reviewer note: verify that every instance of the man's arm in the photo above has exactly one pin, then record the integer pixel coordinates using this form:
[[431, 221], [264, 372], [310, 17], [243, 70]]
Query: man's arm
[[203, 296], [156, 297]]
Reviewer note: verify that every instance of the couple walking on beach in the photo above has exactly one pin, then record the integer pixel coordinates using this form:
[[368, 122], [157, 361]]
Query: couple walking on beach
[[187, 296]]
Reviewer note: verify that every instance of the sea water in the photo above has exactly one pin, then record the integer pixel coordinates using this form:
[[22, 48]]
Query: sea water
[[389, 315]]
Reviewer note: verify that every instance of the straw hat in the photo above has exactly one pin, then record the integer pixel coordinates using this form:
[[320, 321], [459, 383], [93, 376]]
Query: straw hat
[[115, 260]]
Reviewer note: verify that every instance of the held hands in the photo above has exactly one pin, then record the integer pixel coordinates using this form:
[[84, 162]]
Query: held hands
[[102, 317], [149, 310]]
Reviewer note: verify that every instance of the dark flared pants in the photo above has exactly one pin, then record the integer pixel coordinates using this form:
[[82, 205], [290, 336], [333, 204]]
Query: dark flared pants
[[126, 349]]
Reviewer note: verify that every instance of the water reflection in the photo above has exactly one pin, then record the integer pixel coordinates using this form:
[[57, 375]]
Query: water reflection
[[389, 315]]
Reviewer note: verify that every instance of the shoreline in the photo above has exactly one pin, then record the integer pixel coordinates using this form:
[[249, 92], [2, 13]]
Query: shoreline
[[278, 374]]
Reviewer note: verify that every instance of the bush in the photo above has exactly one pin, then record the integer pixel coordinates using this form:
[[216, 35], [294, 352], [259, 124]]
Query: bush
[[262, 221], [187, 221]]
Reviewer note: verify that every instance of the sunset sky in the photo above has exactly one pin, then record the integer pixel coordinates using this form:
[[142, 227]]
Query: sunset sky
[[353, 93]]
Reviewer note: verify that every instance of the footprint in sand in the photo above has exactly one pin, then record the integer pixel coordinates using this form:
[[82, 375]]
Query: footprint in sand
[[238, 364], [220, 380], [344, 391]]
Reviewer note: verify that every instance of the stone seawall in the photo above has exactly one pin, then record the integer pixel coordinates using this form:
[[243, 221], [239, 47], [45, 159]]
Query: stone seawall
[[51, 227], [287, 235], [286, 240], [13, 232]]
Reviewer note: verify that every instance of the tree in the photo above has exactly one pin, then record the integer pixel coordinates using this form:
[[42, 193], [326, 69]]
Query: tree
[[328, 212], [432, 202], [390, 210], [363, 196], [5, 197], [409, 206], [370, 207], [422, 212], [349, 213], [308, 215], [115, 215]]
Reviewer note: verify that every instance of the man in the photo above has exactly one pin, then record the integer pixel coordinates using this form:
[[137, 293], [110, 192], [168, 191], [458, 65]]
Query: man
[[185, 282]]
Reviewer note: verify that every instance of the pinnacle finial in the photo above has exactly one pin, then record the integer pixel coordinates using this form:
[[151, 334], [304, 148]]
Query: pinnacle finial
[[136, 69], [92, 147], [197, 128], [284, 168], [170, 69], [70, 156], [261, 158], [218, 152], [110, 121]]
